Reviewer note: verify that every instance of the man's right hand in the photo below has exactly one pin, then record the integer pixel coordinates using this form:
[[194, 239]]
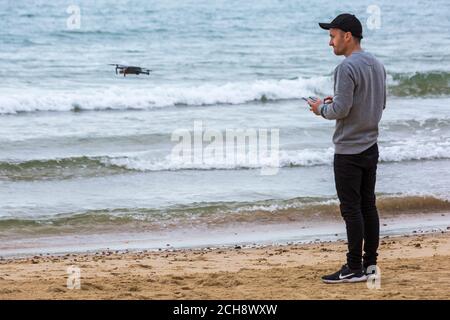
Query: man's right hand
[[328, 99]]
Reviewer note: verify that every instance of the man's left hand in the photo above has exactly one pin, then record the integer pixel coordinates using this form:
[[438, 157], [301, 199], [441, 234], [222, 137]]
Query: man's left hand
[[315, 104]]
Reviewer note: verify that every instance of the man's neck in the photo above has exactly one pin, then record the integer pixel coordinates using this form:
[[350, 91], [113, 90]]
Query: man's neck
[[355, 48]]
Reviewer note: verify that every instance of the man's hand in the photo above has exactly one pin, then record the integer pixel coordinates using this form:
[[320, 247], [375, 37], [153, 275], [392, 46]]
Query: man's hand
[[315, 104]]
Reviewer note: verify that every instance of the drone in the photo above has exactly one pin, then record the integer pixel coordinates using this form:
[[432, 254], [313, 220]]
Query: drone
[[122, 69]]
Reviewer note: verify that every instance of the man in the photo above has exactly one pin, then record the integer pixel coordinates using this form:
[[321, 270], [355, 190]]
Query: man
[[357, 105]]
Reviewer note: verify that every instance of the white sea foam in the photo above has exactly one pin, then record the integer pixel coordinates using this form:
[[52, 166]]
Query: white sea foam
[[403, 151], [13, 101], [275, 207], [147, 161], [138, 97]]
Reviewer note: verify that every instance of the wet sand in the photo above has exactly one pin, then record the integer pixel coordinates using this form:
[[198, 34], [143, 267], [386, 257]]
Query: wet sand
[[412, 267]]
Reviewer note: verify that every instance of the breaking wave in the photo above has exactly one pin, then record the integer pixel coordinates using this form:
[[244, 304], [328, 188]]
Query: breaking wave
[[420, 84], [139, 98], [86, 166], [212, 214], [122, 98]]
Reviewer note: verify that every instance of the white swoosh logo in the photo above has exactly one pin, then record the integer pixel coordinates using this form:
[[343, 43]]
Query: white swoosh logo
[[346, 276]]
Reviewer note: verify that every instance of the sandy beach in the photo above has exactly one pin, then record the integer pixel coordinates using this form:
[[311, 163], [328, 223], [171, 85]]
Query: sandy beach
[[415, 266], [213, 176]]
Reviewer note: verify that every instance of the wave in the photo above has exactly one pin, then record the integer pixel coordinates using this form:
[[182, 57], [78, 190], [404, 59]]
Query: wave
[[402, 151], [63, 168], [87, 166], [122, 98], [232, 93], [412, 125], [420, 84], [304, 209]]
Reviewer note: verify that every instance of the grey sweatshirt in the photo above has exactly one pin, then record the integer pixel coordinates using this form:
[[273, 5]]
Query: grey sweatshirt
[[358, 102]]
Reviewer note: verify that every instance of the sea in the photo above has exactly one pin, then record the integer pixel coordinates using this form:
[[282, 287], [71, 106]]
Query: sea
[[87, 155]]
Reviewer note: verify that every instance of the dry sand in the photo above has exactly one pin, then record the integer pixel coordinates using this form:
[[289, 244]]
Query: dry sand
[[412, 267]]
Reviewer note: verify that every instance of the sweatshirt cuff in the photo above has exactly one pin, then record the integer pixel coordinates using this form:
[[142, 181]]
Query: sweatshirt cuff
[[322, 109]]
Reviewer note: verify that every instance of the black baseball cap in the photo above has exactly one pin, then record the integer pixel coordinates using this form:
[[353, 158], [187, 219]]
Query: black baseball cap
[[346, 22]]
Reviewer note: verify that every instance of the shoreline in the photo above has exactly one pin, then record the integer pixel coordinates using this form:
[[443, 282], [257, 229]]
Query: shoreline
[[290, 271], [250, 235]]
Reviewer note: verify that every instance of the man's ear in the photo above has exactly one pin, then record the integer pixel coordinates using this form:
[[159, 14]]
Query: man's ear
[[348, 36]]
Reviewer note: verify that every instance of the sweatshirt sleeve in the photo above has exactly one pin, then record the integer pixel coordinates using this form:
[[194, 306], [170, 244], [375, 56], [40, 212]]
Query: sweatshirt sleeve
[[385, 90], [343, 95]]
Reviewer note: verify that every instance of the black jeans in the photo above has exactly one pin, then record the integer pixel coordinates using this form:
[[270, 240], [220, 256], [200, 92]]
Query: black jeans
[[355, 177]]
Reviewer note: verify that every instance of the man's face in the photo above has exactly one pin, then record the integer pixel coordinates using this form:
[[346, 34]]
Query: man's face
[[339, 41]]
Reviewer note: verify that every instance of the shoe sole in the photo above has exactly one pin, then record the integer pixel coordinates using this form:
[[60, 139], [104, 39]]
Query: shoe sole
[[351, 280]]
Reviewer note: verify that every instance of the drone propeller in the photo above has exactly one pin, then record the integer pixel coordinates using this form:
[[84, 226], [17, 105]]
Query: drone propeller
[[117, 65]]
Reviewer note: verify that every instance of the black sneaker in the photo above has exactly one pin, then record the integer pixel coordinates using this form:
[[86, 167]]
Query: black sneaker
[[345, 275]]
